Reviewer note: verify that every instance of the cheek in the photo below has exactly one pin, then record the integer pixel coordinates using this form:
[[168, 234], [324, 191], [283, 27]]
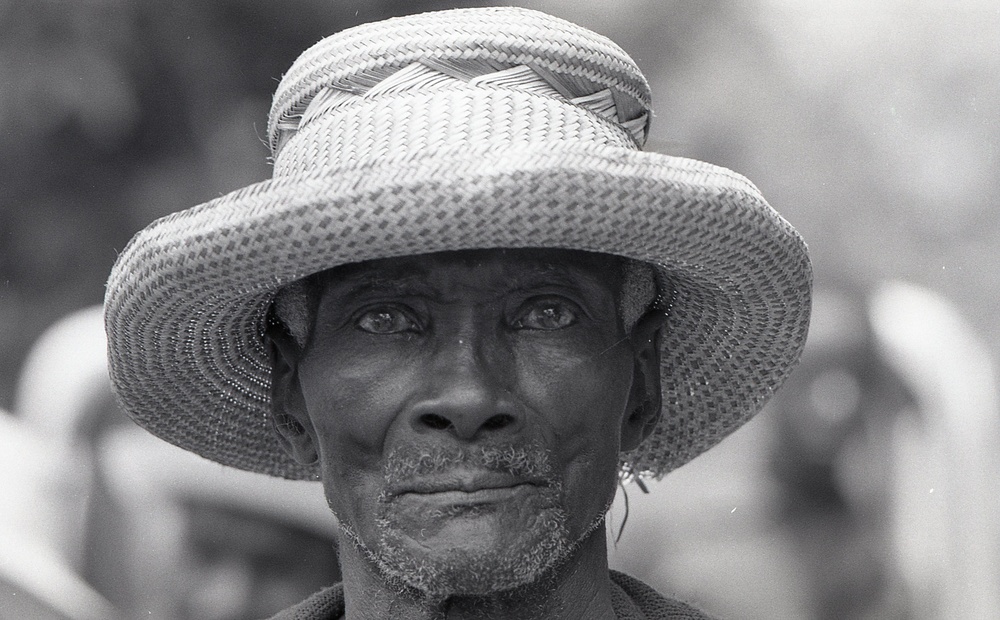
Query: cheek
[[582, 404], [357, 393], [352, 410], [581, 397]]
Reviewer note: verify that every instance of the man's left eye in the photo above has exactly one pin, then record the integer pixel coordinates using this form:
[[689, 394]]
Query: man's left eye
[[547, 315], [385, 320]]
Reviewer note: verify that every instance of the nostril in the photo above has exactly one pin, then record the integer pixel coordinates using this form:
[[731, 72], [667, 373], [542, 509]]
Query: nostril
[[498, 421], [435, 421]]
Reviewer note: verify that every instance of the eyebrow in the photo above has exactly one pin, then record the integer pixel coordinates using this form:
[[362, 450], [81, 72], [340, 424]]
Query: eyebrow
[[412, 279]]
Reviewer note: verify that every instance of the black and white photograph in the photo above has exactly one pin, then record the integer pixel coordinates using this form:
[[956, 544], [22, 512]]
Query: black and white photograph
[[535, 310]]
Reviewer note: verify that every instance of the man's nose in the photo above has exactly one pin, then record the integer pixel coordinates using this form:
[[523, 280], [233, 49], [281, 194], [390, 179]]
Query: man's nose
[[466, 393]]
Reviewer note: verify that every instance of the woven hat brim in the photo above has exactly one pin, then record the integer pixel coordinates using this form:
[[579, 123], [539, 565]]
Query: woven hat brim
[[187, 299]]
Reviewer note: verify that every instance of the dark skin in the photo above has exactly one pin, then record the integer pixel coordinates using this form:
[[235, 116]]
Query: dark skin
[[461, 351]]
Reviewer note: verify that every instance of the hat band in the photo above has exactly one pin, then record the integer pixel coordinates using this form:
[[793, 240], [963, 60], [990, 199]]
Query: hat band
[[459, 116]]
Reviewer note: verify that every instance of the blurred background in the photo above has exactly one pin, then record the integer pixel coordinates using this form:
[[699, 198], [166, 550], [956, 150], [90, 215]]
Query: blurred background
[[865, 490]]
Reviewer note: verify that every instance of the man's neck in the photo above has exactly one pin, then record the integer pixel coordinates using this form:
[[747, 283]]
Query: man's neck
[[578, 590]]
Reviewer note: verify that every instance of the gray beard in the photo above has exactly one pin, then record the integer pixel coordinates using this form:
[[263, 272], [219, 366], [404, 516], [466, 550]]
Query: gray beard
[[539, 548]]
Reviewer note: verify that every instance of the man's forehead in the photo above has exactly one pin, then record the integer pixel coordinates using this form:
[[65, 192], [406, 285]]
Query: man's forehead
[[511, 267]]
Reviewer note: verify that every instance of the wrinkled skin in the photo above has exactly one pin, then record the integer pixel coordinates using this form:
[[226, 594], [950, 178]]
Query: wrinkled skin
[[467, 410]]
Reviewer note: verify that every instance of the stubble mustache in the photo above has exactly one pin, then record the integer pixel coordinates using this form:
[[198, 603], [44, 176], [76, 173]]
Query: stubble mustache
[[408, 463]]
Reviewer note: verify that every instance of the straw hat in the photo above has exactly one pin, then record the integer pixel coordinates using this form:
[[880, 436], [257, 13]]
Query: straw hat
[[475, 128]]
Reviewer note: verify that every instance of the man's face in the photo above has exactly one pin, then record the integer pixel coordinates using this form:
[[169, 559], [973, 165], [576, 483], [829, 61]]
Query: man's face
[[467, 410]]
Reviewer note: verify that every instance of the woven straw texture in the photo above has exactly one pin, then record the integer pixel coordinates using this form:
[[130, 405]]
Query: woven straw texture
[[474, 128]]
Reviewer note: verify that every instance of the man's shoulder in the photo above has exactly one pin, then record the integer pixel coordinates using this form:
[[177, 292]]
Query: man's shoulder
[[327, 604], [634, 600]]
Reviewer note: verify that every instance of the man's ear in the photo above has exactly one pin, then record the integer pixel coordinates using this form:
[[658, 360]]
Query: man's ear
[[644, 399], [289, 417]]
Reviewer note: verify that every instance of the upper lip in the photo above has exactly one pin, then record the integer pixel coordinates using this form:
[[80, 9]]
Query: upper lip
[[466, 481]]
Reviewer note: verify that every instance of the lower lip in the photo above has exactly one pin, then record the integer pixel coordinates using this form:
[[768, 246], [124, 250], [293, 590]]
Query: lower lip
[[480, 496]]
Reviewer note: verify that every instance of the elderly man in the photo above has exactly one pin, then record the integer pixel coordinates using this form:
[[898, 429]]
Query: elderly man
[[469, 305]]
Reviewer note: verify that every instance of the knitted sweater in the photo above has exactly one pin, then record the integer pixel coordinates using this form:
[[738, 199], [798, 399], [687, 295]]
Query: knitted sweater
[[630, 598]]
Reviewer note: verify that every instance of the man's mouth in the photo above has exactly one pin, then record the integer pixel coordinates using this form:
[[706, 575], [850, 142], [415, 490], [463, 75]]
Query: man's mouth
[[479, 496], [465, 487]]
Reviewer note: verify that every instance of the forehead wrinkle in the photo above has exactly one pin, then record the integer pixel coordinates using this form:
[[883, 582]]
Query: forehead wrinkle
[[371, 278], [514, 274]]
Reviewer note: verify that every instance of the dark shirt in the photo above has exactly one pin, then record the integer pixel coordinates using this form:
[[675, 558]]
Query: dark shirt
[[630, 598]]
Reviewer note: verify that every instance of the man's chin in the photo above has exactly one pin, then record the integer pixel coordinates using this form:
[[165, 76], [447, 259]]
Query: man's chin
[[468, 557]]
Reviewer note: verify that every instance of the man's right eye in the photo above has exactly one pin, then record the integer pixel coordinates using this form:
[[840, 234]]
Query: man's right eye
[[386, 320]]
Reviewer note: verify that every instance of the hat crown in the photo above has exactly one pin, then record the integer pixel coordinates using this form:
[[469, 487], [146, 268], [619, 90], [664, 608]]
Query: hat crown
[[486, 77]]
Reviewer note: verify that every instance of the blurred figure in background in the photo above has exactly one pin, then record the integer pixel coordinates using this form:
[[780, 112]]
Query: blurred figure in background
[[208, 542], [180, 542], [64, 395], [37, 580], [889, 452], [832, 461], [945, 455]]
